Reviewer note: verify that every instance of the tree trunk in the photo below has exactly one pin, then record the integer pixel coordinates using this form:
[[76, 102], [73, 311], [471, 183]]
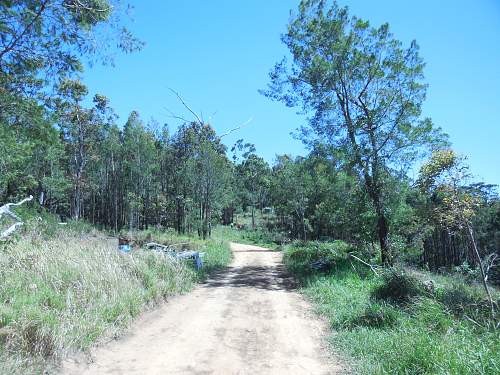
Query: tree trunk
[[480, 264], [77, 205], [383, 233], [382, 229], [253, 216]]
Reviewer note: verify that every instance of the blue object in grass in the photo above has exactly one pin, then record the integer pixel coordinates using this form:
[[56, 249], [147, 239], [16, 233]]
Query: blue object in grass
[[322, 264], [125, 248], [194, 255]]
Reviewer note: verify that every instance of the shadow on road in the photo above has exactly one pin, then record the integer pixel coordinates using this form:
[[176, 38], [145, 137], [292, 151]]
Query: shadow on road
[[257, 251], [259, 277]]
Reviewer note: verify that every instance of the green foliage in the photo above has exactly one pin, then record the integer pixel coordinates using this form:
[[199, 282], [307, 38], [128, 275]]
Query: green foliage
[[364, 93], [30, 152], [422, 336], [252, 178], [301, 257], [202, 175], [46, 38], [442, 178], [466, 301], [314, 198]]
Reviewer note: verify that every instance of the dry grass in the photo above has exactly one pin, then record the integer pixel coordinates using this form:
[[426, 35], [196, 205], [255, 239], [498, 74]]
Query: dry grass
[[64, 292]]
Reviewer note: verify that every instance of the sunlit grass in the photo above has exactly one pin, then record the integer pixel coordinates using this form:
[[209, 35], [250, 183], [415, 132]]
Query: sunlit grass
[[63, 289], [428, 333]]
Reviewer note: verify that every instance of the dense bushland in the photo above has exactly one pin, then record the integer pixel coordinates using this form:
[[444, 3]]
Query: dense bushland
[[80, 161], [399, 322]]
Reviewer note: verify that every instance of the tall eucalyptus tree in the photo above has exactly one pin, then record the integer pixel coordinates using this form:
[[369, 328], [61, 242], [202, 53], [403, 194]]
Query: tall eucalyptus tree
[[363, 91]]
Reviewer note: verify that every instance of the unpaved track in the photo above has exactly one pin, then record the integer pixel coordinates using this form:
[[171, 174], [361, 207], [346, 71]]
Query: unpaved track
[[246, 319]]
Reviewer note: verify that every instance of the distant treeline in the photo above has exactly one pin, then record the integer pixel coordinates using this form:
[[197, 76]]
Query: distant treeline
[[361, 88]]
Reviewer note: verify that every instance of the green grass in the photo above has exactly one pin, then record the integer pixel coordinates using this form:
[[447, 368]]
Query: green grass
[[64, 288], [217, 253], [258, 237], [392, 325]]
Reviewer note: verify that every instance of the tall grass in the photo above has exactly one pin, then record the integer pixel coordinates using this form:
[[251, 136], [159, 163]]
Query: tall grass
[[62, 290], [392, 325], [216, 251]]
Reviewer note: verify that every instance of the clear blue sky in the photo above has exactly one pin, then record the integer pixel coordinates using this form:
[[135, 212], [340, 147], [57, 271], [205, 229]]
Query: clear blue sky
[[218, 53]]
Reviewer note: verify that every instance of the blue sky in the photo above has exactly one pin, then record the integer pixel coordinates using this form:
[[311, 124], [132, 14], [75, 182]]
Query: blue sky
[[218, 53]]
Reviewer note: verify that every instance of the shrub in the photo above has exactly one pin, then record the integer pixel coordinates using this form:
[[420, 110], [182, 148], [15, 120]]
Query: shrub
[[466, 300], [302, 258], [399, 287], [470, 274], [419, 336]]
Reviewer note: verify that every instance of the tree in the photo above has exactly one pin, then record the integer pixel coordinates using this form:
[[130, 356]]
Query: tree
[[453, 206], [291, 192], [363, 90], [201, 177], [140, 165], [82, 130], [334, 194], [253, 173], [31, 153], [42, 39], [42, 44], [108, 176]]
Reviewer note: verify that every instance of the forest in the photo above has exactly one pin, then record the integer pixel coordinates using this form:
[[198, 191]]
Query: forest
[[362, 90], [365, 134]]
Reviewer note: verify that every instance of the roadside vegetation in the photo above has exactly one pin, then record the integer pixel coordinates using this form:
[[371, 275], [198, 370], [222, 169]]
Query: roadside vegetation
[[242, 231], [434, 240], [398, 322], [66, 288]]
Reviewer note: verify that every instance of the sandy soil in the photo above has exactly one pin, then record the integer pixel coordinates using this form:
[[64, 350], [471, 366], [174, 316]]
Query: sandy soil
[[246, 319]]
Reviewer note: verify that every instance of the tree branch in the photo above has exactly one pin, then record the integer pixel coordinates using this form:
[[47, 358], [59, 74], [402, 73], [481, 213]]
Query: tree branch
[[5, 210], [237, 128], [12, 44], [177, 117], [186, 106], [366, 264]]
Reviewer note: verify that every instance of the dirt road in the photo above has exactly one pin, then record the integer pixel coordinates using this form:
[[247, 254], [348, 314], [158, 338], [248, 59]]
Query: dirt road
[[244, 320]]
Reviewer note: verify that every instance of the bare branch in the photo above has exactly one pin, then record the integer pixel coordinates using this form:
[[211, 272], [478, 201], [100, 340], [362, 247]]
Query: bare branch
[[211, 116], [186, 106], [484, 277], [174, 116], [5, 210], [237, 128], [10, 230], [79, 5], [366, 264]]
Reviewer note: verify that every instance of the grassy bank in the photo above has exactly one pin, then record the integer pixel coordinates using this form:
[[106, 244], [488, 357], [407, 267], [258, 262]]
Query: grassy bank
[[216, 249], [393, 323], [65, 288]]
